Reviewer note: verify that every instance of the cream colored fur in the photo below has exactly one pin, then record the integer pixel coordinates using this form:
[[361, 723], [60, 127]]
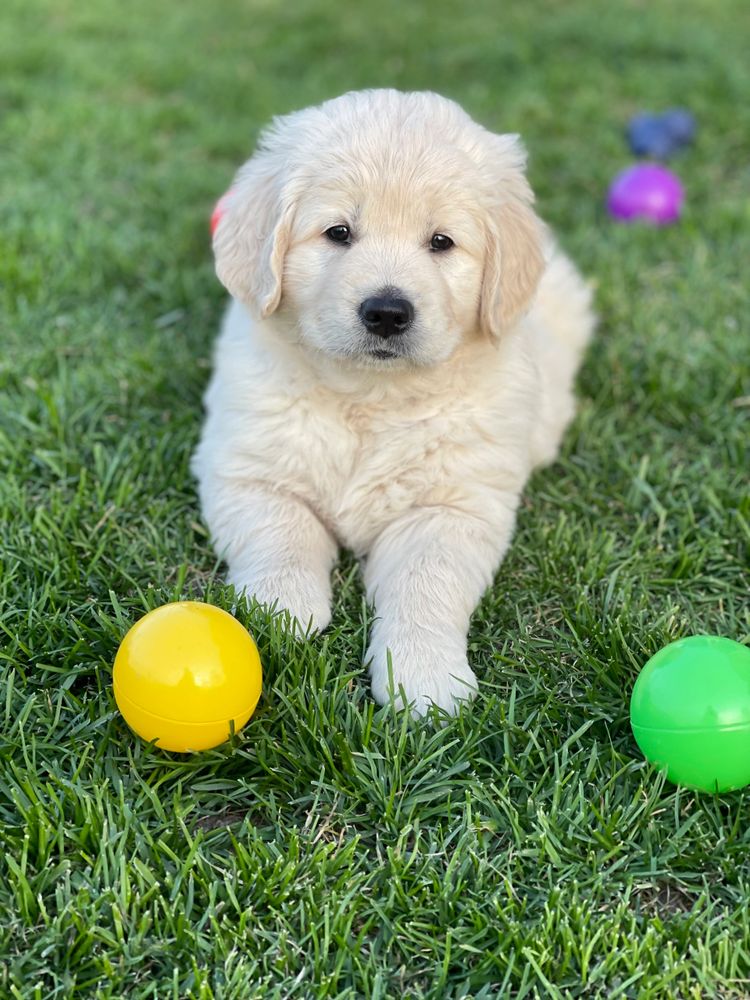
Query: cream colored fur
[[415, 463]]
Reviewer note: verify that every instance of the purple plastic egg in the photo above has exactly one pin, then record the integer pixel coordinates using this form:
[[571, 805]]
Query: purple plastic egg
[[646, 191]]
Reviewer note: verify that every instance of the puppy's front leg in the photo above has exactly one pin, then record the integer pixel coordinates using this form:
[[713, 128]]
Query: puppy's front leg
[[425, 575], [275, 547]]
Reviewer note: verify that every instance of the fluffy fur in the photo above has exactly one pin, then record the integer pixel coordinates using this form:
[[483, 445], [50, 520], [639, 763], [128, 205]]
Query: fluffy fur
[[415, 461]]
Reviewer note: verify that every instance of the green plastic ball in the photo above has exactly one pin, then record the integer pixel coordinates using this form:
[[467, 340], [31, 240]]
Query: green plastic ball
[[690, 712]]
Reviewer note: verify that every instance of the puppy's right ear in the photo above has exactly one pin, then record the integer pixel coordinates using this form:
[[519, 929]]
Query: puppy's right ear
[[252, 234]]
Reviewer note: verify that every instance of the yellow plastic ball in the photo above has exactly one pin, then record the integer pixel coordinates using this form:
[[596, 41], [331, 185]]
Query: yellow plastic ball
[[184, 674]]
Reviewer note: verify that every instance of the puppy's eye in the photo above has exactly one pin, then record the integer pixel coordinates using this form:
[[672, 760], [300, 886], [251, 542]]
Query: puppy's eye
[[441, 242], [339, 234]]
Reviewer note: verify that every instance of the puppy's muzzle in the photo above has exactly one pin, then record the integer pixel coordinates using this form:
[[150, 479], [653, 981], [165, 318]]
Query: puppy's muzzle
[[386, 315]]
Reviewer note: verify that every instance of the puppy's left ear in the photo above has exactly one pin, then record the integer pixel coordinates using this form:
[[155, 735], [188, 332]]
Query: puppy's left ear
[[514, 260]]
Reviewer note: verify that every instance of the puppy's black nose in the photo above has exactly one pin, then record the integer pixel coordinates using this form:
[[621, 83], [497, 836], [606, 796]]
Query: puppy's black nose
[[386, 315]]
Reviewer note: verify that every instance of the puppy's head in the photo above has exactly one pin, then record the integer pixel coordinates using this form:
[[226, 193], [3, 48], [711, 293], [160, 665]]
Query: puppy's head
[[382, 228]]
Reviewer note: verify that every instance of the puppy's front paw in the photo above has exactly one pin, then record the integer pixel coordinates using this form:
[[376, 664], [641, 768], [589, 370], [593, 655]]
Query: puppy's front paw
[[295, 591], [428, 671]]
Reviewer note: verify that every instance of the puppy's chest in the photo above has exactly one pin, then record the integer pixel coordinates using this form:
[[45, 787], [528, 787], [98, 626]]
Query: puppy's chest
[[371, 465]]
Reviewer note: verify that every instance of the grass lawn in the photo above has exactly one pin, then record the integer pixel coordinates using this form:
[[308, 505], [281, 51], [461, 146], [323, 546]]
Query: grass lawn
[[336, 849]]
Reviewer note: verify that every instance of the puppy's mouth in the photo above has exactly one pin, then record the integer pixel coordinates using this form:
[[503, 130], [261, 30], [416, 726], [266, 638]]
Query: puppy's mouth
[[380, 350], [382, 358]]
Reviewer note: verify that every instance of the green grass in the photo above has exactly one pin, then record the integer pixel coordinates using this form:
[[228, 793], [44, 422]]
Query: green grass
[[336, 849]]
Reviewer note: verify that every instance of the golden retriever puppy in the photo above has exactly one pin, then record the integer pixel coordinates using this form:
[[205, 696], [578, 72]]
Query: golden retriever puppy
[[398, 356]]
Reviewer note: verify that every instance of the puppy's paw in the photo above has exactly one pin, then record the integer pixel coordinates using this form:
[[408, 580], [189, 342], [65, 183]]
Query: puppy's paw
[[428, 672], [297, 592]]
